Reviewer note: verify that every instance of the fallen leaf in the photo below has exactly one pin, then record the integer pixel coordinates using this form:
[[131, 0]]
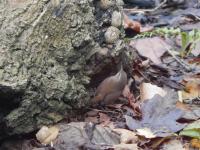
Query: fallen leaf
[[126, 136], [182, 106], [115, 106], [92, 119], [159, 141], [92, 113], [130, 24], [104, 119], [46, 135], [193, 114], [42, 134], [130, 111], [125, 147], [169, 82], [146, 132], [195, 60], [192, 90], [148, 91], [192, 130], [159, 115], [78, 135], [147, 29], [132, 102], [173, 145], [196, 50], [195, 143], [152, 48]]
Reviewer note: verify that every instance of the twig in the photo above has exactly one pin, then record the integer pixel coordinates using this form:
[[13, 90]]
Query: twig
[[186, 66], [195, 16], [145, 10], [142, 75], [104, 111]]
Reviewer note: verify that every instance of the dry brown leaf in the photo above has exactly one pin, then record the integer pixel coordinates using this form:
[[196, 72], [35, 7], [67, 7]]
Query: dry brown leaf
[[148, 91], [173, 145], [115, 106], [104, 119], [159, 141], [53, 135], [195, 143], [132, 102], [42, 134], [130, 24], [126, 147], [46, 135], [126, 136], [152, 48], [192, 90], [92, 113], [147, 29], [182, 106], [91, 119]]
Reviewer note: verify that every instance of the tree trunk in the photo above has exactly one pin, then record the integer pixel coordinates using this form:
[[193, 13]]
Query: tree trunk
[[44, 48]]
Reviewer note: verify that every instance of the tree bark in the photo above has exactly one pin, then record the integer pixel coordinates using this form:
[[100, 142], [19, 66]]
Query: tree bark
[[44, 49]]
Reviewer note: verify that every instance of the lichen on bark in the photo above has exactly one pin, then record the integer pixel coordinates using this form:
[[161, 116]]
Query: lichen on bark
[[47, 60], [43, 50]]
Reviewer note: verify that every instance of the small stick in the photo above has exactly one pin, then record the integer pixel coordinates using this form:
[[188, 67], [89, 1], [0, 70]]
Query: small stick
[[105, 111], [186, 66], [196, 17]]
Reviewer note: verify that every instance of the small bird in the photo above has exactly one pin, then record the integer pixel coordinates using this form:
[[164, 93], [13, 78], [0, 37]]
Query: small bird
[[110, 88]]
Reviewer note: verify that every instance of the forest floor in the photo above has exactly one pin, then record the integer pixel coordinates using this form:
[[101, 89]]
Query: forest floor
[[160, 109]]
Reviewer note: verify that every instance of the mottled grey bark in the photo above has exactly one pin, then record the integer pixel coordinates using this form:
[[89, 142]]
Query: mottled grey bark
[[44, 48], [42, 60]]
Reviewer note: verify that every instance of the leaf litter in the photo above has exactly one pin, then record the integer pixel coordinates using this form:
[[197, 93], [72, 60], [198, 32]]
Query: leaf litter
[[153, 113], [159, 116]]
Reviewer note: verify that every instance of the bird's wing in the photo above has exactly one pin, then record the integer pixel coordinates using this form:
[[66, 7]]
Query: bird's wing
[[112, 97], [107, 86]]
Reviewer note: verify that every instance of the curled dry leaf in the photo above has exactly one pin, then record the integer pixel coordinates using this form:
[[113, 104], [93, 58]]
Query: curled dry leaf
[[126, 136], [192, 91], [46, 135], [131, 99], [130, 24]]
